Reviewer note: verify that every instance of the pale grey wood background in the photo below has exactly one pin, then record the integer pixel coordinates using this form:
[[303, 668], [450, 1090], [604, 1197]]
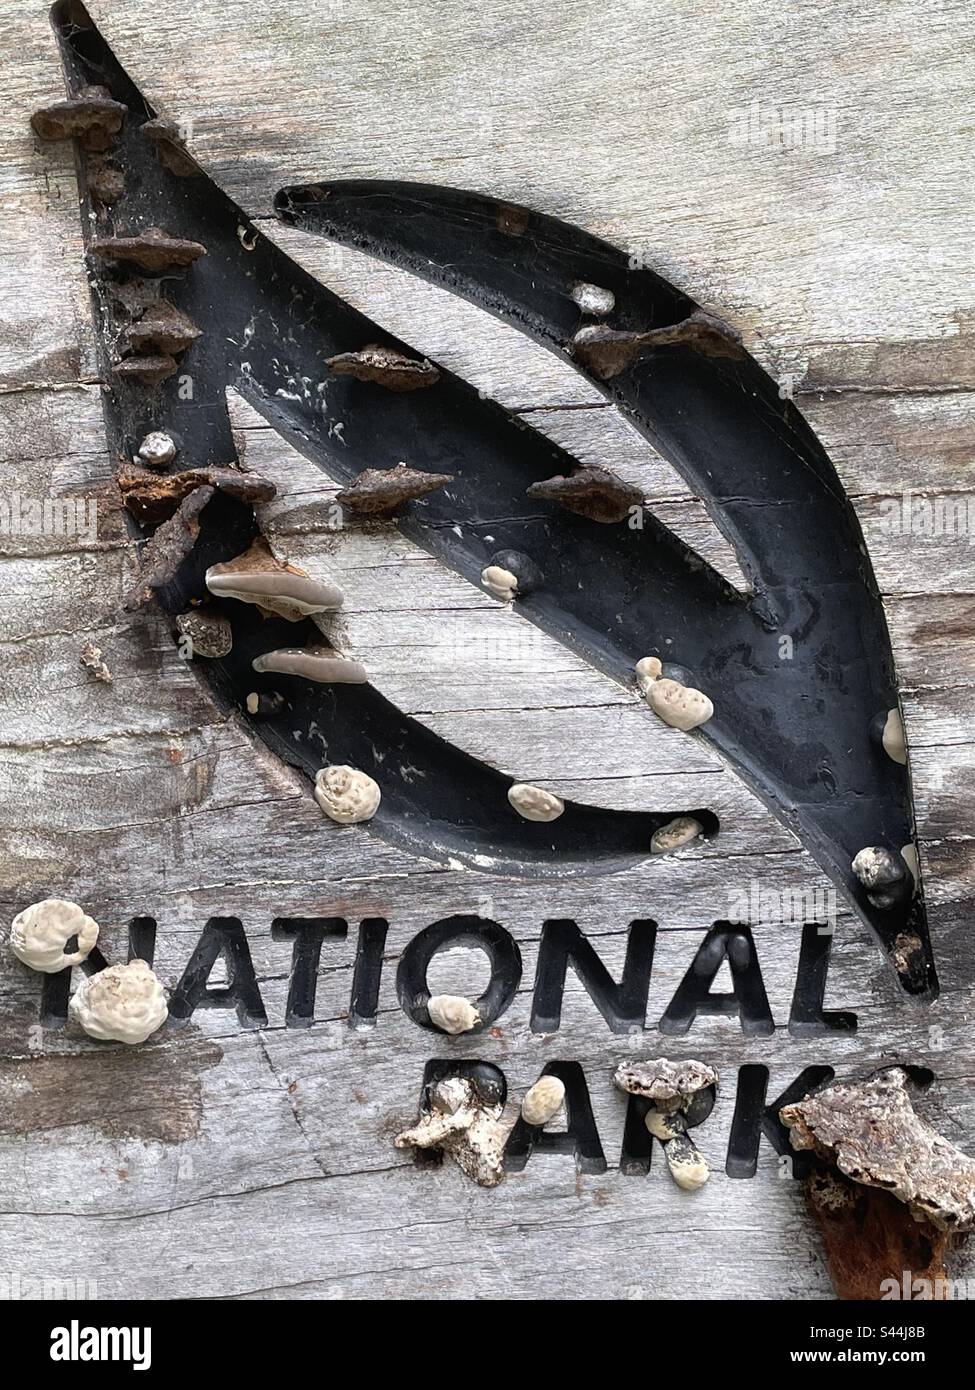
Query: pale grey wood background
[[230, 1163]]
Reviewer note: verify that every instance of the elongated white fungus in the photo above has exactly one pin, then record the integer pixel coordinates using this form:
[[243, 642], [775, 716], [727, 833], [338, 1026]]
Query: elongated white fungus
[[895, 744], [675, 834], [543, 1101], [681, 706], [258, 577], [688, 1166], [533, 803], [317, 663]]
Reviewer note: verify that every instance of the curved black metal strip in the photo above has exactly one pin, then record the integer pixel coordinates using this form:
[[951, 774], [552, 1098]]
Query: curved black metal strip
[[268, 328], [797, 728]]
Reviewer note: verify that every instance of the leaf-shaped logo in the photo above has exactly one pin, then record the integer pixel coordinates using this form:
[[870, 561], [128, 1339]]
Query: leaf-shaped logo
[[811, 735]]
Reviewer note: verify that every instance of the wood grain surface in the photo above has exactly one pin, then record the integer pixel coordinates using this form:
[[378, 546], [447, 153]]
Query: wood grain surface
[[226, 1161]]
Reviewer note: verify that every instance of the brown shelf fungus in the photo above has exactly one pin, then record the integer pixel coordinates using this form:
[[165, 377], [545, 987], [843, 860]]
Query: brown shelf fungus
[[39, 935], [168, 547], [162, 328], [152, 497], [464, 1125], [91, 117], [347, 795], [170, 148], [258, 577], [123, 1003], [890, 1194], [385, 367], [381, 492], [316, 663], [151, 370], [607, 352], [152, 250], [591, 492]]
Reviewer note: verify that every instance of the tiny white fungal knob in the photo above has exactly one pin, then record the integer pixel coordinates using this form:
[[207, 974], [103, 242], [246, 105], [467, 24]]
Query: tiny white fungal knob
[[681, 706], [664, 1124], [346, 794], [535, 804], [895, 744], [124, 1003], [648, 670], [688, 1166], [543, 1101], [500, 583], [675, 834], [593, 299], [909, 856], [157, 450], [39, 934], [452, 1013]]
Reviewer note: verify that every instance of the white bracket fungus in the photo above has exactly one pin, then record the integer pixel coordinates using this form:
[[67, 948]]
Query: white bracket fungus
[[648, 670], [347, 795], [593, 299], [464, 1126], [680, 706], [535, 804], [316, 663], [157, 450], [452, 1013], [675, 834], [124, 1003], [675, 1090], [895, 744], [39, 934], [543, 1101], [257, 577], [500, 583]]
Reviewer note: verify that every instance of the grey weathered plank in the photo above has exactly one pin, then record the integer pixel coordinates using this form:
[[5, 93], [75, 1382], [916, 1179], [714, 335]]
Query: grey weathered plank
[[226, 1162]]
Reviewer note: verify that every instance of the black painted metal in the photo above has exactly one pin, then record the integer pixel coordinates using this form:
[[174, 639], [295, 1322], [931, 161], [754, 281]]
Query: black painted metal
[[796, 730], [269, 329]]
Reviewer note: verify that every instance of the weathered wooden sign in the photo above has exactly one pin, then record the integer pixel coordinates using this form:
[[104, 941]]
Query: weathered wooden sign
[[432, 704]]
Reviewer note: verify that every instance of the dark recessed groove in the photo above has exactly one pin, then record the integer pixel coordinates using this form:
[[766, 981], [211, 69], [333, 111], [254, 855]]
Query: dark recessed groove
[[795, 728], [268, 329]]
